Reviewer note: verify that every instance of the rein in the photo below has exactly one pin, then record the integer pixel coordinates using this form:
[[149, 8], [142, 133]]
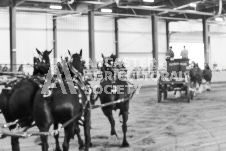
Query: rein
[[54, 132]]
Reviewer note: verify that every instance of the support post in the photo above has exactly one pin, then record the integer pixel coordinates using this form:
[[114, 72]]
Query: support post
[[167, 35], [205, 39], [116, 38], [209, 48], [12, 30], [55, 39], [91, 35], [155, 39]]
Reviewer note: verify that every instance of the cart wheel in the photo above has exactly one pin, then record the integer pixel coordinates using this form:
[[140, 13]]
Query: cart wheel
[[159, 93], [165, 95]]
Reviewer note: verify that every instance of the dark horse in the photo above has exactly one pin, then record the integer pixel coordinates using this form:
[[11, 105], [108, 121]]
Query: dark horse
[[193, 73], [199, 76], [110, 93], [17, 103], [61, 107], [207, 75]]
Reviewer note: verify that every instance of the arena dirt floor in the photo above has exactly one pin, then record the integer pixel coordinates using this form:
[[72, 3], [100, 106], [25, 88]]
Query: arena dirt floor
[[173, 125]]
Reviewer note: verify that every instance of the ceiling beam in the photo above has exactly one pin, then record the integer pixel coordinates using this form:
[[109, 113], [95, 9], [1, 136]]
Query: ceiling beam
[[179, 7], [104, 5], [86, 10], [46, 1], [162, 9], [92, 2], [20, 2], [52, 11]]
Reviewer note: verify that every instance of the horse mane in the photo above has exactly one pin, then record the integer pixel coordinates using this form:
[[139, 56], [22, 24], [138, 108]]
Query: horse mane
[[61, 65]]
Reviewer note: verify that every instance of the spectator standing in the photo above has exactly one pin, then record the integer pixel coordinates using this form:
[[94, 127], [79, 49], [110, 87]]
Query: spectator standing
[[184, 53], [170, 53]]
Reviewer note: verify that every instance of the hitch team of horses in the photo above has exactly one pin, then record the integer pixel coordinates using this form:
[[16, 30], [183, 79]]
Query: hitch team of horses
[[23, 103]]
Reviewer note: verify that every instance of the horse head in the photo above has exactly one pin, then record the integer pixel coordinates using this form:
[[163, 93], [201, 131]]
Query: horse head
[[112, 63], [206, 66], [76, 63], [107, 65], [41, 64], [193, 74], [207, 73], [196, 65]]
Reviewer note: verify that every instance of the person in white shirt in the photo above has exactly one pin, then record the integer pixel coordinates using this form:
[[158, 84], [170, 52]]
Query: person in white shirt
[[184, 53]]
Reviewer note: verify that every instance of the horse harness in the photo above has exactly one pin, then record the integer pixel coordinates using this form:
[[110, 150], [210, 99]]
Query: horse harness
[[77, 81]]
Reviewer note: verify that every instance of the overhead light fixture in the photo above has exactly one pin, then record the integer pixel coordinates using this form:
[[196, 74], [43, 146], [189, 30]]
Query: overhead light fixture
[[219, 19], [55, 6], [151, 1], [193, 4], [104, 10]]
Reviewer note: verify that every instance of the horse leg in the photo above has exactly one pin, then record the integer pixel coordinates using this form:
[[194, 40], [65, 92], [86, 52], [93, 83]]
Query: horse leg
[[15, 144], [210, 84], [207, 85], [124, 128], [87, 130], [193, 87], [108, 114], [68, 131], [80, 141], [44, 139], [201, 87], [56, 136], [197, 86], [43, 123]]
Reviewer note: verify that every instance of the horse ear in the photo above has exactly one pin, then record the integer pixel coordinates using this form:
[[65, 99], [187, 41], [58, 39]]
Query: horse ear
[[69, 52], [38, 52], [80, 53], [50, 51], [102, 55]]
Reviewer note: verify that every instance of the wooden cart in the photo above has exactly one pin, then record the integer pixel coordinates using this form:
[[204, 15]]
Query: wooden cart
[[175, 78]]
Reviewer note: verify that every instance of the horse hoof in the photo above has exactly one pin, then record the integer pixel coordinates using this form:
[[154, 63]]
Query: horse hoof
[[58, 149], [91, 144], [125, 144], [80, 148], [112, 138]]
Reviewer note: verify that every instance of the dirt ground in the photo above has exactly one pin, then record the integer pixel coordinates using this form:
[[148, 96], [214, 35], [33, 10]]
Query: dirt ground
[[173, 125]]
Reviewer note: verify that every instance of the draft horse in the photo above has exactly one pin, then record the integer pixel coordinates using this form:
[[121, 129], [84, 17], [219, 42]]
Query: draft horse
[[58, 108], [199, 77], [17, 103], [207, 76], [110, 93]]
